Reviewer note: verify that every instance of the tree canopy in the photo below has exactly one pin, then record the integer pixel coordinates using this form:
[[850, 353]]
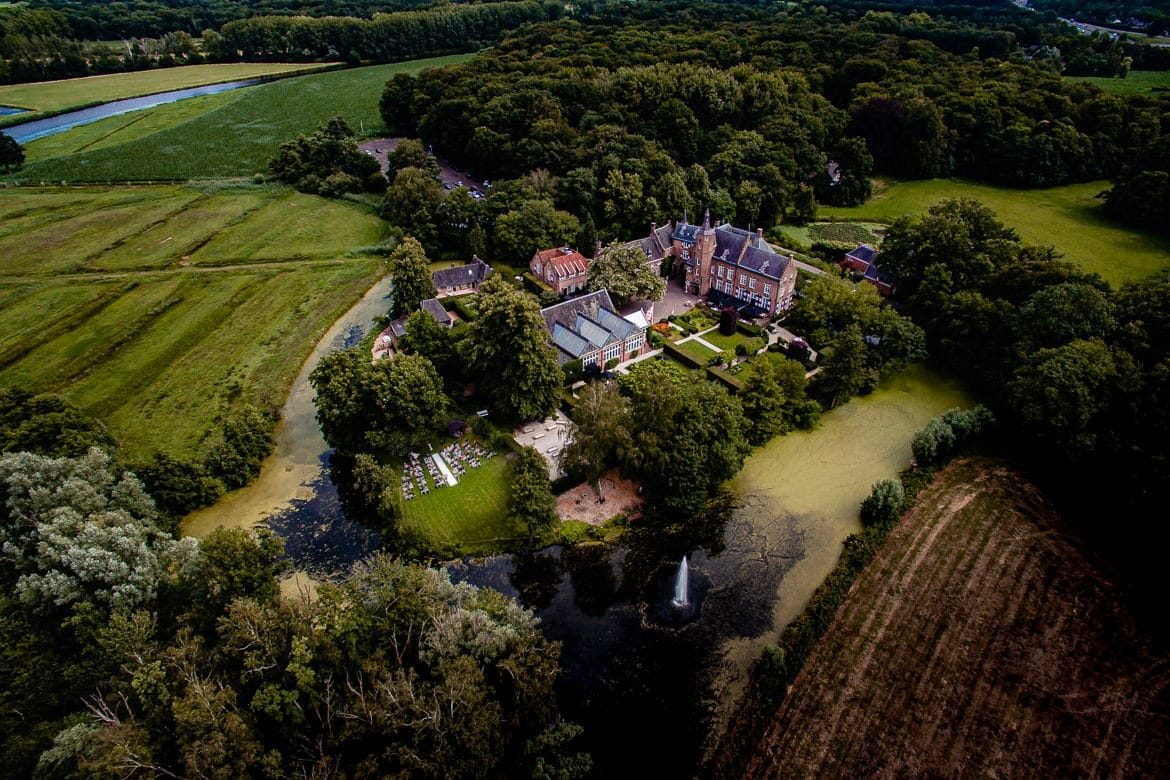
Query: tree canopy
[[408, 267], [623, 271], [326, 162]]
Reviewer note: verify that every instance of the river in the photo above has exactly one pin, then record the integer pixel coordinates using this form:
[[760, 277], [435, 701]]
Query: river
[[30, 131]]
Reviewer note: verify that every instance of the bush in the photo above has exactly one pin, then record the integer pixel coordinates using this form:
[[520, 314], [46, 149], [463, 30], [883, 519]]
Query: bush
[[728, 321], [654, 339], [464, 308], [955, 432], [717, 360], [884, 503], [572, 371], [534, 285], [749, 328], [611, 364]]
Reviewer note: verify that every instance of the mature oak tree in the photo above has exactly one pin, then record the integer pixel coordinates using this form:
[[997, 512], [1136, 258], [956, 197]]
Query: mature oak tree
[[624, 272], [408, 266]]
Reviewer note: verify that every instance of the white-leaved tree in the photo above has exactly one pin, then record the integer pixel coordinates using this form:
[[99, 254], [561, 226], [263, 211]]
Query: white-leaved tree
[[74, 529]]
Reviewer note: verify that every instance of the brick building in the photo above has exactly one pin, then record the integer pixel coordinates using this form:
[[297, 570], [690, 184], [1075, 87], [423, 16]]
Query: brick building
[[589, 329], [461, 279], [863, 261], [563, 269]]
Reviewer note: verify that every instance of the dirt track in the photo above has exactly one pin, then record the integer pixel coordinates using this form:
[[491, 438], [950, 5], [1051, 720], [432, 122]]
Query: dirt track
[[979, 642]]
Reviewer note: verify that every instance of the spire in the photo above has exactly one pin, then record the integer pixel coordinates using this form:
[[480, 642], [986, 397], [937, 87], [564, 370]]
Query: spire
[[685, 216], [707, 218]]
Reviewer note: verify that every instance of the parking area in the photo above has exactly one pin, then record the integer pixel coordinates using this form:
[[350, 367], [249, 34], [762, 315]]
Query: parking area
[[380, 148], [548, 437]]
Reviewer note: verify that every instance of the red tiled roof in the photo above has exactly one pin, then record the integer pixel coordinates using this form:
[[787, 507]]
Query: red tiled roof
[[564, 261]]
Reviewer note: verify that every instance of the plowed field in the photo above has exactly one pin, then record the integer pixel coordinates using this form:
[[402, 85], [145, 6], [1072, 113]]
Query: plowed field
[[980, 642]]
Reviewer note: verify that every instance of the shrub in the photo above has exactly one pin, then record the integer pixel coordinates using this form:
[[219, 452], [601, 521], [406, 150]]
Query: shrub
[[749, 328], [728, 320], [572, 371], [654, 339], [464, 308], [884, 503]]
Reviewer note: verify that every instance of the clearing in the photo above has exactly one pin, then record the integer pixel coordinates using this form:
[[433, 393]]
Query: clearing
[[980, 642], [1068, 218], [1150, 83], [158, 309], [230, 137], [86, 91]]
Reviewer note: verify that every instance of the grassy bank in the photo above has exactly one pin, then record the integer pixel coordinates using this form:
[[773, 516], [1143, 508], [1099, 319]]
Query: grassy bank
[[71, 93], [1069, 218], [234, 138], [157, 309]]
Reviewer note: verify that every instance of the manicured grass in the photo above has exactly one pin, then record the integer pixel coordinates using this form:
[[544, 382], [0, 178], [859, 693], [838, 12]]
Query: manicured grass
[[238, 138], [695, 350], [127, 127], [100, 302], [470, 517], [1069, 218], [70, 93], [1137, 82], [726, 343]]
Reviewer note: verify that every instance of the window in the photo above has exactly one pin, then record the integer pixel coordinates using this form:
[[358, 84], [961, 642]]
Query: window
[[549, 275], [536, 268], [720, 272], [742, 278], [767, 289], [751, 284]]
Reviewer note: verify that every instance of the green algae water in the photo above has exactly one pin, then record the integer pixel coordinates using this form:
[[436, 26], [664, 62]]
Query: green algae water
[[808, 486]]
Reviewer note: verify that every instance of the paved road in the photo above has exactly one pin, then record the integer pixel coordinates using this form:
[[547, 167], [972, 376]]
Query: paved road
[[380, 149]]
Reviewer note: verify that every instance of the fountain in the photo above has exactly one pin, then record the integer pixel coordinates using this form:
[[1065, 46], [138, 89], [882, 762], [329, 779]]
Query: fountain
[[680, 586]]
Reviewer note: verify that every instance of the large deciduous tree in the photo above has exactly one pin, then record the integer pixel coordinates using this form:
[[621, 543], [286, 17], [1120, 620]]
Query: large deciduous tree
[[413, 202], [533, 225], [508, 353], [624, 272], [326, 162], [600, 435], [408, 267], [532, 503], [11, 154]]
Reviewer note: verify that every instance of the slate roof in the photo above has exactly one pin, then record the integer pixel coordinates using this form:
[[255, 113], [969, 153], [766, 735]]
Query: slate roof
[[685, 233], [432, 307], [582, 325], [656, 245], [864, 253], [569, 343], [597, 334], [397, 327], [472, 273], [566, 312], [749, 251], [616, 324]]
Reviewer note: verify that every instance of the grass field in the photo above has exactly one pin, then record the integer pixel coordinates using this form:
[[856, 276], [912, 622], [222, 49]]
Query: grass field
[[71, 93], [726, 343], [1068, 218], [157, 309], [233, 138], [1138, 82], [979, 642], [469, 517], [695, 350]]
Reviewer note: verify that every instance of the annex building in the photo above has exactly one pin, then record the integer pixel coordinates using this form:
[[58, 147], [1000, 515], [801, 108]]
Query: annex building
[[589, 329]]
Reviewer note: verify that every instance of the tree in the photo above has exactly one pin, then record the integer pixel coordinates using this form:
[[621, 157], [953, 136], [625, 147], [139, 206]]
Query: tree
[[47, 425], [532, 503], [763, 402], [411, 272], [624, 272], [600, 434], [327, 162], [535, 224], [343, 398], [507, 353], [233, 563], [431, 340], [245, 439], [884, 504], [11, 154], [409, 404], [410, 153], [412, 202], [73, 530], [845, 375]]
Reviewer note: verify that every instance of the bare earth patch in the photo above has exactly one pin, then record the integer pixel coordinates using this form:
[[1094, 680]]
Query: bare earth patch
[[979, 642], [580, 503]]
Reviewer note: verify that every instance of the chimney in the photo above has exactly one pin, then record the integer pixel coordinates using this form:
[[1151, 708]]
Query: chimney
[[653, 227], [759, 232]]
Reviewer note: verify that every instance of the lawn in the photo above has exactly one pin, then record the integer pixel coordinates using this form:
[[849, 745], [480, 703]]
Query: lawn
[[73, 93], [1139, 82], [695, 350], [470, 517], [725, 343], [238, 137], [1068, 218], [100, 302]]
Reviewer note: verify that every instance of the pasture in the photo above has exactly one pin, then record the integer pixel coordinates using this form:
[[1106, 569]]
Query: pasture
[[226, 138], [157, 309], [1151, 83], [1069, 218], [980, 641], [66, 94]]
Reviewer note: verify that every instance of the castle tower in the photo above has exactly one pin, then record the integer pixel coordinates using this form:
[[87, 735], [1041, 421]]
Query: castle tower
[[705, 251]]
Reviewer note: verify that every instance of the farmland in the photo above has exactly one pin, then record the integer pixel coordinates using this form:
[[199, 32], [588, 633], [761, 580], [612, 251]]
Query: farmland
[[72, 93], [157, 309], [1068, 218], [230, 137], [980, 641]]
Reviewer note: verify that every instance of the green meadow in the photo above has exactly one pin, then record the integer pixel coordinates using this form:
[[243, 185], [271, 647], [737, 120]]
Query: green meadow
[[1136, 82], [230, 137], [158, 309], [1069, 218], [72, 93]]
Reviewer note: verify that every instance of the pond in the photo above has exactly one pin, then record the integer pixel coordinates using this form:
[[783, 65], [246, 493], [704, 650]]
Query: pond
[[30, 131]]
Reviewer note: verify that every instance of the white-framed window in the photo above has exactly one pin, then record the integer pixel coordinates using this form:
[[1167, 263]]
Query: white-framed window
[[589, 359], [751, 284], [549, 275], [742, 278], [767, 302], [767, 288], [613, 352], [720, 273]]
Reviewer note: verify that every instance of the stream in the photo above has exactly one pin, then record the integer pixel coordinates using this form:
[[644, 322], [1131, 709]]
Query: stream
[[650, 689]]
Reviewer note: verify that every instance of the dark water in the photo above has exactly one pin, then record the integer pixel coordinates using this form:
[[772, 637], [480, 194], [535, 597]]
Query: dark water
[[9, 110], [30, 131]]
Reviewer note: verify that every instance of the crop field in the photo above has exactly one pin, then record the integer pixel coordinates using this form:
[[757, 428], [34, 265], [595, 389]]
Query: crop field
[[1137, 82], [129, 302], [71, 93], [225, 138], [979, 642], [470, 517], [1068, 218]]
